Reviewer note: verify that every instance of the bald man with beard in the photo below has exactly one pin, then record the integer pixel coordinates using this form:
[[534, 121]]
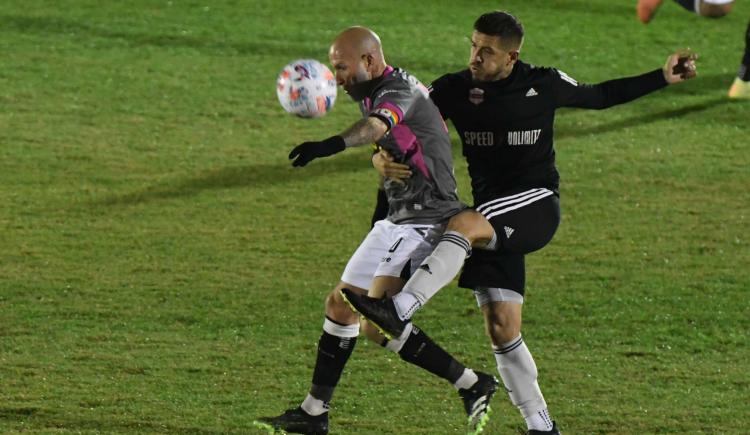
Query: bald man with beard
[[398, 116]]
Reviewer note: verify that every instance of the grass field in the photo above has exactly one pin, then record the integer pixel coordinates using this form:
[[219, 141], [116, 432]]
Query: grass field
[[163, 268]]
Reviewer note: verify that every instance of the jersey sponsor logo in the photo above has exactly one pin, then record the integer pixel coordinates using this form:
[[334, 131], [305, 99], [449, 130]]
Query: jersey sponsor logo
[[508, 231], [479, 138], [387, 91], [524, 137], [532, 93], [476, 95]]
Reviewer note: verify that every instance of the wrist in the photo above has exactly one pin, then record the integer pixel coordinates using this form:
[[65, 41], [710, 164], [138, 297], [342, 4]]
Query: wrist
[[335, 143]]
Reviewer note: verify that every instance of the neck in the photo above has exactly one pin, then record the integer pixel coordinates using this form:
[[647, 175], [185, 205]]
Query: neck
[[379, 70]]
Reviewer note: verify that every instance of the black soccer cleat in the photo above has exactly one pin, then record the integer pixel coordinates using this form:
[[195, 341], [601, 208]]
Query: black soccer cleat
[[295, 421], [553, 431], [380, 312], [477, 401]]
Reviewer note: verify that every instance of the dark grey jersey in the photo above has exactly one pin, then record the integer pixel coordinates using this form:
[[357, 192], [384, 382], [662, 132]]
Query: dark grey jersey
[[417, 136]]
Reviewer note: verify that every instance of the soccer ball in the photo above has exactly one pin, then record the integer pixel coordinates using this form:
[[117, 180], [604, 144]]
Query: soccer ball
[[306, 88]]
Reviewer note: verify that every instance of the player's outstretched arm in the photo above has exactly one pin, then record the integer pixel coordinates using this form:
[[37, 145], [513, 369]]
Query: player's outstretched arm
[[680, 66], [366, 130]]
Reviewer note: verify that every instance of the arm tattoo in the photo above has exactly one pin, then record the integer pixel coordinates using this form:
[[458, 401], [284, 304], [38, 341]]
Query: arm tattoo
[[366, 130]]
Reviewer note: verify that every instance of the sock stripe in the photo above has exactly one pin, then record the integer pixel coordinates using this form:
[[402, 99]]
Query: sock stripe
[[509, 348], [461, 242], [411, 310], [338, 330]]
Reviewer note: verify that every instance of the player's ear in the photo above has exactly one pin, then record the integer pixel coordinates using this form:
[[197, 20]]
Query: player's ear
[[512, 56]]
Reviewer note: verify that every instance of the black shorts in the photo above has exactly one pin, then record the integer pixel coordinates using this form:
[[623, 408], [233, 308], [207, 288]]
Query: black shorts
[[524, 221]]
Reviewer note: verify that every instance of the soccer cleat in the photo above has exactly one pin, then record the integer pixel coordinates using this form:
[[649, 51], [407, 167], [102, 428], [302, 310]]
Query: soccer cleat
[[646, 9], [295, 421], [379, 312], [477, 401], [553, 431], [740, 89]]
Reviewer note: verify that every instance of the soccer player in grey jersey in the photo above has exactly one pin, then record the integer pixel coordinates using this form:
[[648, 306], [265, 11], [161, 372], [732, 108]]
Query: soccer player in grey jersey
[[503, 110], [399, 116]]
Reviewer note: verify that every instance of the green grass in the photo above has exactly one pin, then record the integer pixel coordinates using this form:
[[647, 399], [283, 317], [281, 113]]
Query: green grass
[[163, 268]]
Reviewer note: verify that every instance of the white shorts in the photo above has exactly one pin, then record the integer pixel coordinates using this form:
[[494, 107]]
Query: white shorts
[[717, 2], [391, 250]]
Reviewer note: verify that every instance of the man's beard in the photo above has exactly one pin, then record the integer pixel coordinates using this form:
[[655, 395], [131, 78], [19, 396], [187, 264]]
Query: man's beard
[[362, 88], [360, 91]]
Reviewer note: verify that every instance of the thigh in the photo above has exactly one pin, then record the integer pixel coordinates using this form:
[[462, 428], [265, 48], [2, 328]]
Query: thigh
[[523, 221], [385, 286], [390, 250], [408, 246], [361, 267]]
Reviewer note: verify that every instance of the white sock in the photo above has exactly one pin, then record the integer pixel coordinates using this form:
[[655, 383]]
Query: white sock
[[467, 379], [540, 420], [518, 372], [395, 344], [438, 269], [314, 406], [406, 305]]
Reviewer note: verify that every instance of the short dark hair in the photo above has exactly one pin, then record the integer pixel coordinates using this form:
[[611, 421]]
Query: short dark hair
[[502, 24]]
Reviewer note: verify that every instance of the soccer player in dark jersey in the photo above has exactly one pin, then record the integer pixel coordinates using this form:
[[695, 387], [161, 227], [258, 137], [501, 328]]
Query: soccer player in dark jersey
[[503, 110], [398, 115]]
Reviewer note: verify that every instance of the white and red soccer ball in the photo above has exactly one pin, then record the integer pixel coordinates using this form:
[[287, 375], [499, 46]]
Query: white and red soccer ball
[[306, 88]]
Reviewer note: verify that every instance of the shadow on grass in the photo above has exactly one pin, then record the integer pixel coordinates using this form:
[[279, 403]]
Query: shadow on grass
[[43, 419], [640, 120], [243, 176], [55, 25]]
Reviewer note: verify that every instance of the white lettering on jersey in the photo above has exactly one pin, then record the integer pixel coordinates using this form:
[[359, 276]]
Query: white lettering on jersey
[[479, 138], [524, 137]]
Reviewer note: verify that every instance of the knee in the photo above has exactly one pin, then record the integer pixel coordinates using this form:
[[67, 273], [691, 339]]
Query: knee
[[472, 225], [713, 10], [337, 310], [502, 329]]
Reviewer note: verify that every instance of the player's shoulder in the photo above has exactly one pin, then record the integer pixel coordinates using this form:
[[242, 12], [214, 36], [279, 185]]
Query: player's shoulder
[[398, 79], [545, 74], [536, 71], [451, 80]]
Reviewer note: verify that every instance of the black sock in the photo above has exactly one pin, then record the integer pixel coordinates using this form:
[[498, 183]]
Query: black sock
[[687, 4], [333, 353], [421, 351], [744, 73]]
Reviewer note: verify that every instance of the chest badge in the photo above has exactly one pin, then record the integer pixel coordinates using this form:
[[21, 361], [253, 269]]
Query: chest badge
[[476, 95]]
